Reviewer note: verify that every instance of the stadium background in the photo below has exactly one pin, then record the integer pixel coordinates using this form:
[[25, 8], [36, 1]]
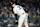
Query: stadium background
[[7, 17]]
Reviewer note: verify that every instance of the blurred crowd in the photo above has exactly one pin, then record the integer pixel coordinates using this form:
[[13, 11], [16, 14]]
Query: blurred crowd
[[9, 19]]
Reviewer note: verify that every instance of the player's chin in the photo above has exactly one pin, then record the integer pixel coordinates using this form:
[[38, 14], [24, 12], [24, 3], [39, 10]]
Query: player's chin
[[26, 14]]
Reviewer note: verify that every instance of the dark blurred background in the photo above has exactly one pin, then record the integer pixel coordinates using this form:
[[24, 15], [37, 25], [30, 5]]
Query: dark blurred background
[[8, 19]]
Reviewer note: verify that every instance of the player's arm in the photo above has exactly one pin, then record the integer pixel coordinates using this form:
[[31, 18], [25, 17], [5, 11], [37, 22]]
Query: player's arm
[[14, 10]]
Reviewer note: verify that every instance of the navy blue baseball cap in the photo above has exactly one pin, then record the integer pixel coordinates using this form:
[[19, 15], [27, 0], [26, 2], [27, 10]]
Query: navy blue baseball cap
[[12, 2]]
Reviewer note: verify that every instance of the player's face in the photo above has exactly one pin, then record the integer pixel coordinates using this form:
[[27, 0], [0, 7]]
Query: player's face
[[13, 5]]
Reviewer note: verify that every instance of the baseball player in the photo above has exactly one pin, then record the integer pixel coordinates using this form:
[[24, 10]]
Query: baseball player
[[19, 11]]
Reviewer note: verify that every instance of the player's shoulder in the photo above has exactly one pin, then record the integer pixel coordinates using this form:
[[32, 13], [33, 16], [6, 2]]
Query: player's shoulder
[[18, 5]]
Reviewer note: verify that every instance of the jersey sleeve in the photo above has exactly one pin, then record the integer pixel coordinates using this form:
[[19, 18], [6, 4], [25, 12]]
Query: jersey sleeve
[[14, 10]]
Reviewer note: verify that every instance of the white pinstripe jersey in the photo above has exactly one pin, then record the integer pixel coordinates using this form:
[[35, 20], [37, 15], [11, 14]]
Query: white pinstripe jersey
[[18, 10]]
